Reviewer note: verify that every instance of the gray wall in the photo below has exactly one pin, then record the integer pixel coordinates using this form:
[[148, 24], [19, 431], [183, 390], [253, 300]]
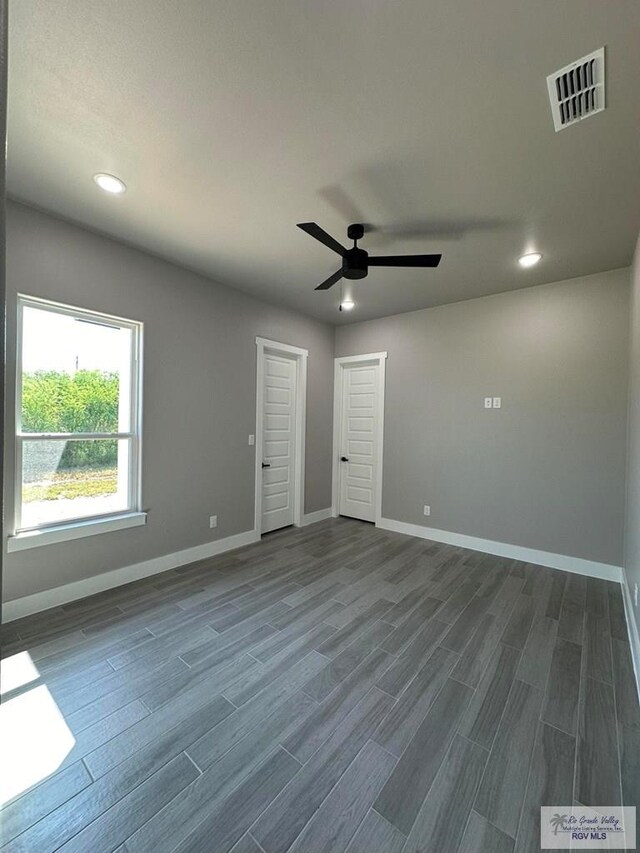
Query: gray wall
[[632, 527], [199, 393], [545, 471]]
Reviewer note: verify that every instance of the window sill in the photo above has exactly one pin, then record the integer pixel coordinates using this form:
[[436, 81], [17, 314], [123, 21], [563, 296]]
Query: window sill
[[76, 530]]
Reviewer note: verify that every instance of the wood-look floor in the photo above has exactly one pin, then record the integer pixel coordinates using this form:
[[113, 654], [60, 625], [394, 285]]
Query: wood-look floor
[[335, 688]]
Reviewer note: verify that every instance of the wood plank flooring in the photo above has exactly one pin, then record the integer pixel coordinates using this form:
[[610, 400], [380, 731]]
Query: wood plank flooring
[[333, 688]]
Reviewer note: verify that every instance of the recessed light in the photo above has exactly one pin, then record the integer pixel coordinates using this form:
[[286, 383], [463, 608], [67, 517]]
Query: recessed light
[[347, 304], [530, 259], [109, 183]]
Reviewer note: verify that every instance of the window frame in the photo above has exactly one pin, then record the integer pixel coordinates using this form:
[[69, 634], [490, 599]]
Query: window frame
[[83, 525]]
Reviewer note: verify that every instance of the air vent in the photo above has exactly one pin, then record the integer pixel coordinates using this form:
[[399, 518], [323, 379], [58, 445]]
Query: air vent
[[577, 91]]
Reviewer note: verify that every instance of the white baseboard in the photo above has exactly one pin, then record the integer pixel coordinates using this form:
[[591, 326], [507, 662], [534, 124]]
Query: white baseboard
[[632, 630], [503, 549], [29, 604], [318, 515]]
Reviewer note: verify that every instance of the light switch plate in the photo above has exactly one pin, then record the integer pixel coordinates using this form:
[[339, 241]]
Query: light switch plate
[[488, 402], [497, 402]]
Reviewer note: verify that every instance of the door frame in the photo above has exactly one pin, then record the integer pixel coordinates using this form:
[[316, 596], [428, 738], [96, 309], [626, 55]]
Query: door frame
[[299, 356], [339, 364]]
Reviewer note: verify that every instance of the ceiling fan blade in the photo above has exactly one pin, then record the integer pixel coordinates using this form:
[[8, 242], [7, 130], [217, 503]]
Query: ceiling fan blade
[[330, 281], [316, 231], [405, 261]]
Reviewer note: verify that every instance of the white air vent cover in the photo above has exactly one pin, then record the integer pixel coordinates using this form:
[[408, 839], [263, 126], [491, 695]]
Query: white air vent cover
[[577, 91]]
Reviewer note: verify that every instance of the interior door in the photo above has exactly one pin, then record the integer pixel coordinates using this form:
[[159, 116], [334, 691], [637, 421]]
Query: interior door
[[278, 438], [358, 441]]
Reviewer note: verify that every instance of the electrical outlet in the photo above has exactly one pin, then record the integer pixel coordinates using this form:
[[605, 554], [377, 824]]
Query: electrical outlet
[[213, 521], [635, 594], [252, 439], [488, 402], [497, 402], [427, 509]]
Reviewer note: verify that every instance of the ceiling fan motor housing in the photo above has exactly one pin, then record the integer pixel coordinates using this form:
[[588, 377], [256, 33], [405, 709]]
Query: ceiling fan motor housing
[[355, 263]]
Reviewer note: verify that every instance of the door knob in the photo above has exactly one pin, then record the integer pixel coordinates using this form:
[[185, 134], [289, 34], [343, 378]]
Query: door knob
[[344, 459], [266, 465]]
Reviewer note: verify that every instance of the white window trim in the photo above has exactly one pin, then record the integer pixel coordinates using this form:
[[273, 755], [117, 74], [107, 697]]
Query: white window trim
[[76, 528]]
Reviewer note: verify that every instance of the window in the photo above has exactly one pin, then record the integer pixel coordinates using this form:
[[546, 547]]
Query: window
[[77, 417]]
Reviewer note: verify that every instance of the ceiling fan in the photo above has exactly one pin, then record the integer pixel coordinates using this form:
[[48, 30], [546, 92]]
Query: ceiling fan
[[355, 261]]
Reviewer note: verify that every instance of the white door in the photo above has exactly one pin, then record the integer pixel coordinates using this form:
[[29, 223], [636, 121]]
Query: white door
[[358, 441], [278, 439]]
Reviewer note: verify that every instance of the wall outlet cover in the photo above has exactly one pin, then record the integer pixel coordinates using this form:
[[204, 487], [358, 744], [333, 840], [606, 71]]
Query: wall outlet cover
[[427, 510], [252, 439], [213, 521]]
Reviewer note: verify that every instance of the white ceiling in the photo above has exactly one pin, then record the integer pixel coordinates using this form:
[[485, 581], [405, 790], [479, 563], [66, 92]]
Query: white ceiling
[[231, 120]]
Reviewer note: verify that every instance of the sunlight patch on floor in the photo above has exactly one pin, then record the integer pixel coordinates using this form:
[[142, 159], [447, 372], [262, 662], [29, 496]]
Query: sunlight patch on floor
[[34, 737], [16, 671]]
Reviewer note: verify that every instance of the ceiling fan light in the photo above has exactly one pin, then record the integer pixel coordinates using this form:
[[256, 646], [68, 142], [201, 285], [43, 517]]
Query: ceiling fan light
[[530, 259], [347, 305]]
